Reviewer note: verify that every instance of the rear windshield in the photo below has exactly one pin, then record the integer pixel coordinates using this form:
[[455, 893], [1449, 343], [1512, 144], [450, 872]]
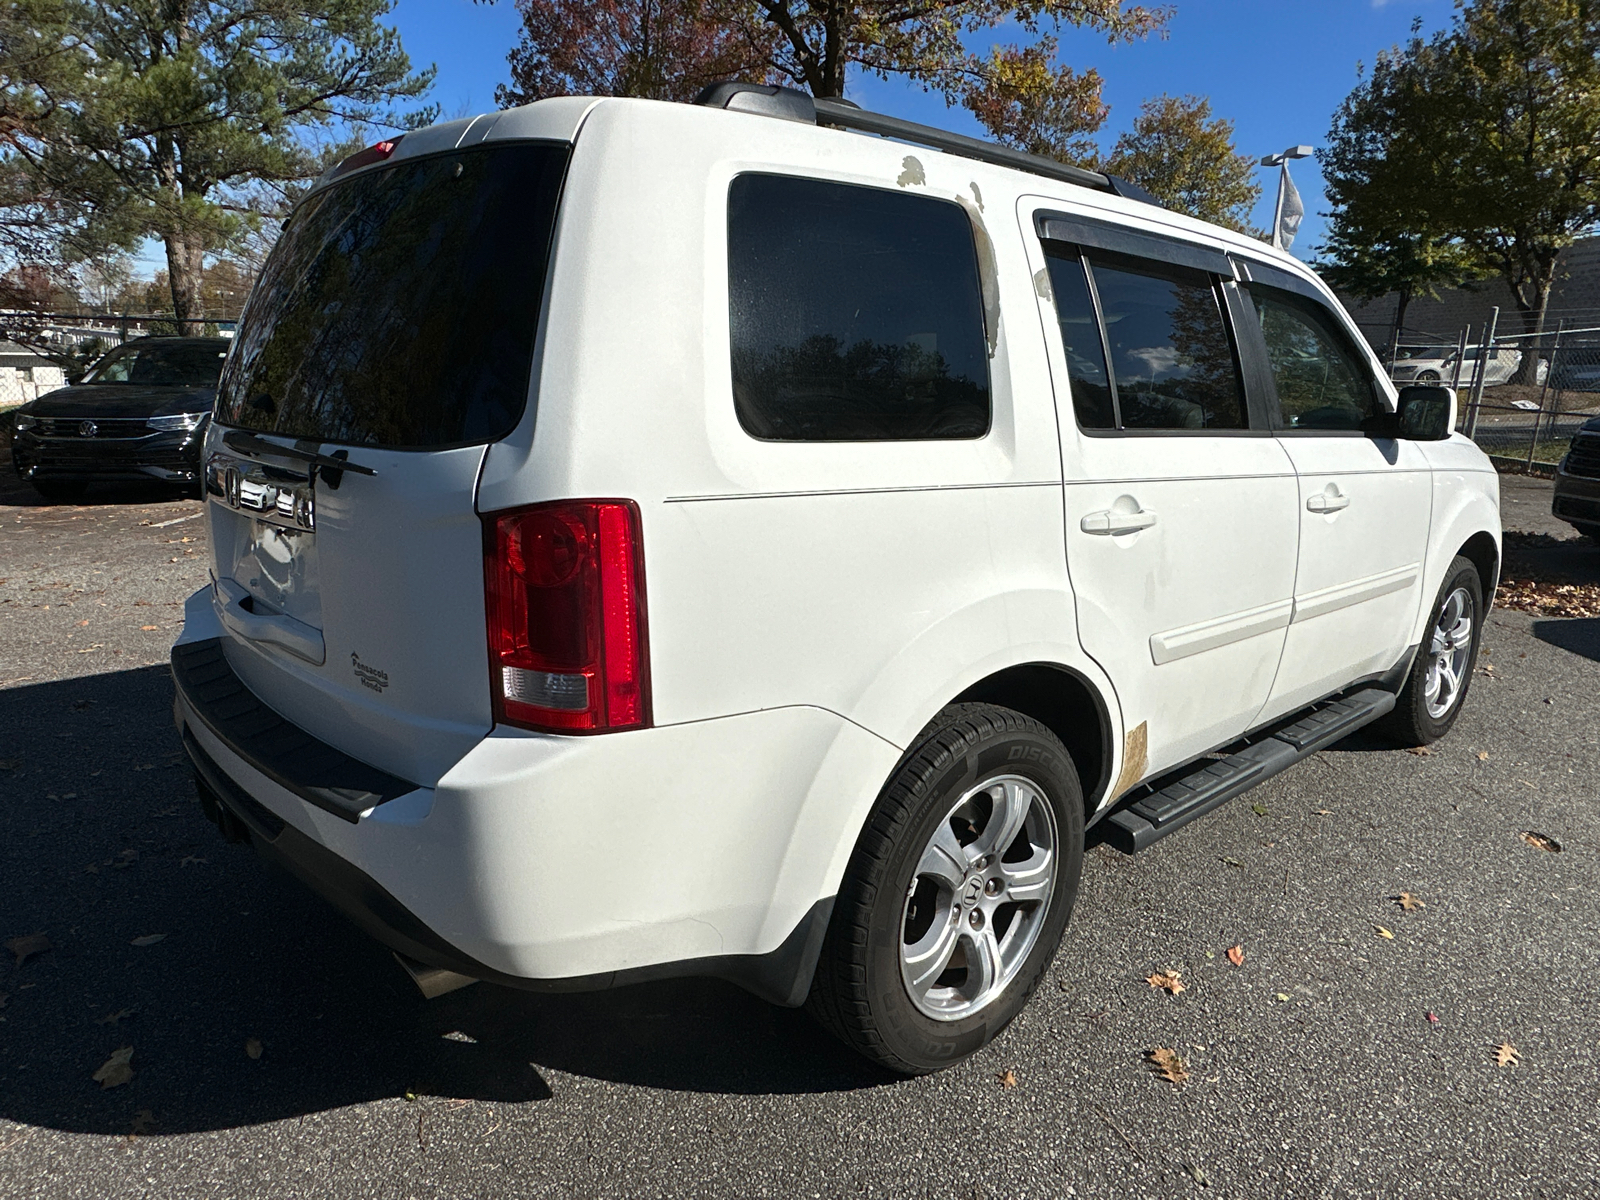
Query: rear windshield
[[163, 364], [399, 308]]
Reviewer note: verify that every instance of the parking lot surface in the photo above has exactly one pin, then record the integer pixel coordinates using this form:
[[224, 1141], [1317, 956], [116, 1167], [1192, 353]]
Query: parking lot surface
[[1356, 1051]]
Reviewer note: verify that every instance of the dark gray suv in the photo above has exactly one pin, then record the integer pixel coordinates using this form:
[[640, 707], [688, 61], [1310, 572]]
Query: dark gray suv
[[1577, 492]]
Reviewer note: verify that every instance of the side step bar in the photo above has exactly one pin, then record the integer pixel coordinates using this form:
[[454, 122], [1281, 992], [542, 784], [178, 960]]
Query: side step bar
[[1211, 783]]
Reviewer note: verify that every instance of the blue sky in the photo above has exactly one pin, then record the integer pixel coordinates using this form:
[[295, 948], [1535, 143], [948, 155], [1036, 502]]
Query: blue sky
[[1276, 68]]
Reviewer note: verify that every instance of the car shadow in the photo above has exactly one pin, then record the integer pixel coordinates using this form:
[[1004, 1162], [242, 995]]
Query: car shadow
[[102, 844], [1576, 635]]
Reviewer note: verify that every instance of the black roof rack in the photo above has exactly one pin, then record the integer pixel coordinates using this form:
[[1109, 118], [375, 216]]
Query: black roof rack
[[793, 105]]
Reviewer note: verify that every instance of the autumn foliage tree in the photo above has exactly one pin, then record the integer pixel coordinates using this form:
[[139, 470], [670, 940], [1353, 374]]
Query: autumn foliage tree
[[1183, 156], [657, 49], [669, 48]]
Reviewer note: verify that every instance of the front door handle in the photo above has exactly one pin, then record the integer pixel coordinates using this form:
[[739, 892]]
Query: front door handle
[[1329, 501], [1110, 521]]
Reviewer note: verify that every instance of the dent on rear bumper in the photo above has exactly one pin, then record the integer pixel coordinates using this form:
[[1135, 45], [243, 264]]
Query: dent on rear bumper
[[547, 858]]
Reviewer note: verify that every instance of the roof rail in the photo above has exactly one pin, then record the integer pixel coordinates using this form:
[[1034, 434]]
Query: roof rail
[[773, 100]]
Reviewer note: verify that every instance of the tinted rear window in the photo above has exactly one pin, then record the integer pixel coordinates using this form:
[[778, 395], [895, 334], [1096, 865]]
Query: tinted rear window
[[857, 313], [399, 308]]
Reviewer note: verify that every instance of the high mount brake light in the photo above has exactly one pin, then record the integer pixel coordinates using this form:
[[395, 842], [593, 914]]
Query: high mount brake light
[[565, 590], [374, 153]]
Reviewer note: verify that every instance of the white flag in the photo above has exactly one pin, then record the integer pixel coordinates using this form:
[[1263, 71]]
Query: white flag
[[1290, 211]]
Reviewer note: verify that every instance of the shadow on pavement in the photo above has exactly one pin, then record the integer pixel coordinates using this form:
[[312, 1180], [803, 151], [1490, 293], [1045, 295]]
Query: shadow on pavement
[[1580, 635], [102, 842]]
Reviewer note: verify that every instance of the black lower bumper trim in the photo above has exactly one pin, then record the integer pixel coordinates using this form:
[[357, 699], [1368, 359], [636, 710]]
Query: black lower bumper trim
[[282, 751]]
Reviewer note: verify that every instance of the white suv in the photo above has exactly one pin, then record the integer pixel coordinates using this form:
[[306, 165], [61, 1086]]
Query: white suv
[[660, 539]]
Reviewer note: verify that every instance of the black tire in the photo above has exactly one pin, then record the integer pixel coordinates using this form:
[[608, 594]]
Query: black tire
[[1427, 377], [1411, 723], [60, 491], [1592, 532], [858, 993]]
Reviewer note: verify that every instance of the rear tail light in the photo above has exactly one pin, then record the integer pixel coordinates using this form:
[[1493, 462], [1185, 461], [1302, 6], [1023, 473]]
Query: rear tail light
[[565, 589]]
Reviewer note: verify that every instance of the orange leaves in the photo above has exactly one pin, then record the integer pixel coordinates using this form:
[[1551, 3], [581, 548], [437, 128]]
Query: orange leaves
[[1007, 1078], [1167, 1065], [1537, 840], [1167, 981], [1408, 902], [1236, 955], [1506, 1055]]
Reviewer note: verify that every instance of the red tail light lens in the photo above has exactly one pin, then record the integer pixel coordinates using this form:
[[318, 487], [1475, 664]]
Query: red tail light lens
[[565, 589]]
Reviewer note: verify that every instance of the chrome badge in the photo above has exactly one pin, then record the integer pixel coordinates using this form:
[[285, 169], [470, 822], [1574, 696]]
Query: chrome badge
[[87, 429], [281, 498]]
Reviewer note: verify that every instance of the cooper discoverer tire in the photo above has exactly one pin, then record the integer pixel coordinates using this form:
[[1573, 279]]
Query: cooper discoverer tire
[[972, 852], [1446, 659]]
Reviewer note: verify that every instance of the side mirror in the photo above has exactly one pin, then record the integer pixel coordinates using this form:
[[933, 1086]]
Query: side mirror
[[1426, 413]]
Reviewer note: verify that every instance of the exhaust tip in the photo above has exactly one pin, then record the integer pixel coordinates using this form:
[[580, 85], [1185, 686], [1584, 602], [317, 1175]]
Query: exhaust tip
[[432, 982]]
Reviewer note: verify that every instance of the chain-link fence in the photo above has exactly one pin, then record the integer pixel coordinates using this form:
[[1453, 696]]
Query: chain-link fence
[[1517, 413]]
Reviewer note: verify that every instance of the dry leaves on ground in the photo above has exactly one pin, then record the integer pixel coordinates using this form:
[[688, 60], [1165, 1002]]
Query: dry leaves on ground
[[1506, 1054], [1008, 1077], [1408, 902], [1549, 599], [1537, 840], [143, 1122], [1166, 981], [1483, 756], [1420, 751], [113, 1018], [1383, 933], [116, 1070], [149, 939], [1236, 955], [1167, 1065], [26, 947], [252, 1048]]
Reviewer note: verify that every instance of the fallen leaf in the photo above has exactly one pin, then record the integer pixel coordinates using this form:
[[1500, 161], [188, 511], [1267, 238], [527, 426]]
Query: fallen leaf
[[1196, 1174], [143, 1122], [1236, 955], [1383, 933], [1168, 1065], [148, 628], [1408, 902], [116, 1070], [1283, 997], [190, 858], [81, 624], [1483, 756], [1432, 1020], [1167, 981], [1506, 1054], [149, 939], [1008, 1078], [113, 1018], [1260, 809], [1324, 812], [1419, 751], [1232, 862], [252, 1049], [1533, 839], [26, 947]]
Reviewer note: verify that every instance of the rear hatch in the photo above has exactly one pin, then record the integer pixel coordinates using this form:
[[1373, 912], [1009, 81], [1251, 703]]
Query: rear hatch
[[392, 329]]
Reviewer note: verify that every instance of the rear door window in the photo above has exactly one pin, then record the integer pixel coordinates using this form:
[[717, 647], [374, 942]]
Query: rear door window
[[856, 314], [400, 306]]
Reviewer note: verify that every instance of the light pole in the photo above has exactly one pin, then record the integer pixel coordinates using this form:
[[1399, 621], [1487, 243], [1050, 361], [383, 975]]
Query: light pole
[[1286, 217]]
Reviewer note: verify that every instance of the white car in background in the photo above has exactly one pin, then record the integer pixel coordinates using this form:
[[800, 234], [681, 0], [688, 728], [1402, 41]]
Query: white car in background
[[1436, 364]]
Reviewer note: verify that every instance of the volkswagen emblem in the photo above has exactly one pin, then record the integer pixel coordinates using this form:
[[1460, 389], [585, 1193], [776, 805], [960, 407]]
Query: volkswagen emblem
[[87, 429]]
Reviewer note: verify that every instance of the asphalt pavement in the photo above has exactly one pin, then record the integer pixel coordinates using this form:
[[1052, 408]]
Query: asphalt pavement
[[277, 1052]]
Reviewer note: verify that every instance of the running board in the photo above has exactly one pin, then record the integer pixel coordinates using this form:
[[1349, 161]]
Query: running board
[[1211, 783]]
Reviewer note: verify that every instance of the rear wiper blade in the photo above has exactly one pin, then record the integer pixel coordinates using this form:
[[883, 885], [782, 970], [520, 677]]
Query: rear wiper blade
[[249, 443]]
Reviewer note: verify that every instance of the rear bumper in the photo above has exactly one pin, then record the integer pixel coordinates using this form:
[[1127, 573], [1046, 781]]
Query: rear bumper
[[166, 456], [561, 864]]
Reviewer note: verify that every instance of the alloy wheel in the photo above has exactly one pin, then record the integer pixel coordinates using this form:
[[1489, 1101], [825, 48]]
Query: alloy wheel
[[978, 897], [1450, 651]]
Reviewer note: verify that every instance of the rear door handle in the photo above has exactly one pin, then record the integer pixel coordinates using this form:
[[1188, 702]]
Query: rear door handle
[[1109, 521], [235, 607], [1327, 502]]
